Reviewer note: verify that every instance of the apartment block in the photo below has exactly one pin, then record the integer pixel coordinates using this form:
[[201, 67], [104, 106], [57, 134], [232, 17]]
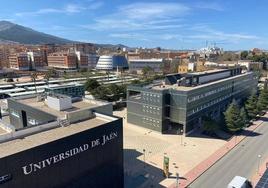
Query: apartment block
[[65, 61], [37, 60], [19, 61]]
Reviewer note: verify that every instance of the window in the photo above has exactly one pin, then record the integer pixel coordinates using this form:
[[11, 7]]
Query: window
[[32, 121], [14, 113]]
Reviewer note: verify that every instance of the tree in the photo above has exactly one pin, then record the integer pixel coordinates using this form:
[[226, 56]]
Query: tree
[[47, 76], [244, 55], [263, 100], [251, 105], [146, 71], [232, 118], [91, 84], [209, 125], [34, 77], [244, 117], [101, 92]]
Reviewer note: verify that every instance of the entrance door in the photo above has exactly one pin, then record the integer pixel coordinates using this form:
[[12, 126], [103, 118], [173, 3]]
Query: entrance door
[[24, 118]]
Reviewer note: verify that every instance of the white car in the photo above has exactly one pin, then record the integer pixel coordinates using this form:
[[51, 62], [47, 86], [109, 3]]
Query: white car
[[239, 182]]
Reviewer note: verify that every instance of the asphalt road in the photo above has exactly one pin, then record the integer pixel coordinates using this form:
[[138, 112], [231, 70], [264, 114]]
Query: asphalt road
[[242, 160]]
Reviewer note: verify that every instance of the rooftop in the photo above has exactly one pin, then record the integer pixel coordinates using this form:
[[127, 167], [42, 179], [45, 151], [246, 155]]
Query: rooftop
[[145, 60], [189, 88], [42, 105], [34, 140], [2, 131], [207, 72]]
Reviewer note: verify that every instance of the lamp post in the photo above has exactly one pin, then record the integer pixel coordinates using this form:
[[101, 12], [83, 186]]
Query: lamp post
[[259, 162], [181, 137], [177, 180], [144, 157]]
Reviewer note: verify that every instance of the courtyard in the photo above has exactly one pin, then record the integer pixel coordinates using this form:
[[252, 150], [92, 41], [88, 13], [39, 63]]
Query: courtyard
[[144, 151]]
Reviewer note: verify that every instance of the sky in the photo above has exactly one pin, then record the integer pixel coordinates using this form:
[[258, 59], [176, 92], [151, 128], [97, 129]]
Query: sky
[[172, 24]]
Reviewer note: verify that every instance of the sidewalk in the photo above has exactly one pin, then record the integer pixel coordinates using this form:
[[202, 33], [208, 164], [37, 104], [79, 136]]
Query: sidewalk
[[197, 171]]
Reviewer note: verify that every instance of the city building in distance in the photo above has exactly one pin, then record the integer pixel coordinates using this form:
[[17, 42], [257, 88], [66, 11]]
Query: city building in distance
[[180, 102], [62, 61], [137, 65], [112, 62], [19, 61], [50, 141]]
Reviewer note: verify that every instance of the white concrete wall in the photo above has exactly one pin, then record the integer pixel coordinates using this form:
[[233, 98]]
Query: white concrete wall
[[22, 133], [59, 103]]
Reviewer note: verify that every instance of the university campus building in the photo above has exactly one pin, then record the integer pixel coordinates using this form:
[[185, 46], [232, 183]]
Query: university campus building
[[52, 141], [180, 102]]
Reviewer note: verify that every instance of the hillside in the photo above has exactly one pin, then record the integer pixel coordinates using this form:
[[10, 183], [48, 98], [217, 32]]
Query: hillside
[[20, 34]]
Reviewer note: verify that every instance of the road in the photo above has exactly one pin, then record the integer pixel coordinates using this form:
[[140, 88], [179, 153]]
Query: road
[[242, 160]]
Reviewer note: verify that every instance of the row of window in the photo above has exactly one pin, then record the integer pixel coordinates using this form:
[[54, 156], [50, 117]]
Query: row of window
[[194, 98], [151, 97], [199, 108], [191, 99], [151, 109], [151, 121]]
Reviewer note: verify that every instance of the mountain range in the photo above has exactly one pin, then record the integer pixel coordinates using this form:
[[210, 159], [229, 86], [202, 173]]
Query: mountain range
[[14, 33]]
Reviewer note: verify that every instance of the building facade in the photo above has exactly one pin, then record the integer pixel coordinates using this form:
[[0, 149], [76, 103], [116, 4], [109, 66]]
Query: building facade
[[137, 65], [92, 60], [74, 90], [37, 60], [65, 61], [73, 147], [112, 62], [19, 61], [181, 103]]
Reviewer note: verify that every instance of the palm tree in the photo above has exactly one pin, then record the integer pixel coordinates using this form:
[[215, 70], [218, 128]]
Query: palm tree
[[47, 77], [34, 77]]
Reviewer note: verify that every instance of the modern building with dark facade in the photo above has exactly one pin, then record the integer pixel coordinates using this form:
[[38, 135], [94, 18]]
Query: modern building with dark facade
[[72, 90], [74, 146], [182, 100]]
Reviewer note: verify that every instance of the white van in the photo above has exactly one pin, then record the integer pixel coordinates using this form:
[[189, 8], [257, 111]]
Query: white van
[[239, 182]]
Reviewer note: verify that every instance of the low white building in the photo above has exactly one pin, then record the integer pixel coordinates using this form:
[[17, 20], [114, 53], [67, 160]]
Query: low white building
[[138, 64], [251, 65]]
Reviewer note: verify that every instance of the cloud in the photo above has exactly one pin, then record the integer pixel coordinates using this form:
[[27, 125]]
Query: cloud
[[205, 32], [141, 17], [135, 36], [210, 6], [149, 11], [67, 9]]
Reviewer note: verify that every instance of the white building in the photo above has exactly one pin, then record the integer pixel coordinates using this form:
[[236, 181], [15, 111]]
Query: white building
[[139, 64], [112, 62]]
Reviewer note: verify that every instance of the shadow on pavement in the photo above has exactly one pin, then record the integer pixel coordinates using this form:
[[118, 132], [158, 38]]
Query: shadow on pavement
[[199, 133], [249, 133], [264, 119], [138, 174]]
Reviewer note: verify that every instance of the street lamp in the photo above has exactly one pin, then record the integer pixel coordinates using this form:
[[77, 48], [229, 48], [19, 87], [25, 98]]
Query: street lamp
[[259, 156], [177, 180], [144, 157], [181, 137]]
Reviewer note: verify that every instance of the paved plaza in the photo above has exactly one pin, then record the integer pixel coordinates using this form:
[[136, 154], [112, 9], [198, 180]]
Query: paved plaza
[[144, 151]]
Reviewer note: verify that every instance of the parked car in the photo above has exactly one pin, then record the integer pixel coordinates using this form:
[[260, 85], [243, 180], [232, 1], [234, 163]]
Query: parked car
[[239, 182]]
